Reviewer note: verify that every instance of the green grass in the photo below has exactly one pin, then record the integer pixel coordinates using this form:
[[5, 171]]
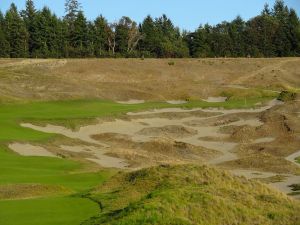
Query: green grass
[[65, 210], [47, 211], [17, 169]]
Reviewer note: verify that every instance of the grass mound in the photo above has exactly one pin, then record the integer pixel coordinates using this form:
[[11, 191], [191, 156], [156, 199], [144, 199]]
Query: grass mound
[[188, 194]]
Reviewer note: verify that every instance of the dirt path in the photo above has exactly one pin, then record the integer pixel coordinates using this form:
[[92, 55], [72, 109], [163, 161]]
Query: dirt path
[[264, 70]]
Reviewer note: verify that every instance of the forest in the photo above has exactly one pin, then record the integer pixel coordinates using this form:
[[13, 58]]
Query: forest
[[33, 33]]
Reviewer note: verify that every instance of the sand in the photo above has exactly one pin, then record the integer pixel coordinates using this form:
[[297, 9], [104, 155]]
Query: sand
[[132, 102], [215, 99], [30, 150]]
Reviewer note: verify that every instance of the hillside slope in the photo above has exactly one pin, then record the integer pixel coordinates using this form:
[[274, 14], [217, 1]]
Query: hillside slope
[[149, 79], [189, 194]]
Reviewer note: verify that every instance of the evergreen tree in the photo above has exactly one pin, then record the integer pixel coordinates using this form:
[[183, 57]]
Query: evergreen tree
[[72, 9], [294, 29], [79, 39], [101, 36], [236, 33], [199, 42], [4, 44], [282, 43], [150, 42], [16, 33], [29, 18], [122, 34], [275, 32]]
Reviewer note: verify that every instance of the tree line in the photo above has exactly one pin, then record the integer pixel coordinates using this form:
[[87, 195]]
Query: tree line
[[41, 34]]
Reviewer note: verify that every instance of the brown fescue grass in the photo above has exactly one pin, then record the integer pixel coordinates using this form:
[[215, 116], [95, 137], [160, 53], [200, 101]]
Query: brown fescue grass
[[149, 79]]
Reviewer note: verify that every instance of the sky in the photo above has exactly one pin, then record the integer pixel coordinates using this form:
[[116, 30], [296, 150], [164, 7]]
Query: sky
[[186, 14]]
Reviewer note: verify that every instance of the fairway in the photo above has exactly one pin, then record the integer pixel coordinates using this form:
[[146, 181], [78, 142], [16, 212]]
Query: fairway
[[47, 211]]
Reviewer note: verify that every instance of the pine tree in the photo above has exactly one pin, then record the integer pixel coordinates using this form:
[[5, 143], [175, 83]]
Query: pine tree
[[16, 33], [122, 34], [281, 42], [72, 9], [294, 35], [79, 40], [236, 33], [4, 44], [275, 32], [29, 18], [149, 44], [101, 36]]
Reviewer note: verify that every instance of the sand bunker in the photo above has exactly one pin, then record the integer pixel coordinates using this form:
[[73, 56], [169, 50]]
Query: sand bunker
[[269, 105], [98, 156], [195, 134], [263, 140], [132, 102], [215, 99], [191, 130], [177, 102], [30, 150], [283, 185], [144, 129]]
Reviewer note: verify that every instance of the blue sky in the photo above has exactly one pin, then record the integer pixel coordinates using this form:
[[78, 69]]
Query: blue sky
[[187, 14]]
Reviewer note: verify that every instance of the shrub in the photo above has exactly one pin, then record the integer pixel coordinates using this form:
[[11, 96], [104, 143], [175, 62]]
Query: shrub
[[287, 96]]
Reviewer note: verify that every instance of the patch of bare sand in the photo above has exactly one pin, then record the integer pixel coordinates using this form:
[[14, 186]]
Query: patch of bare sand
[[177, 102], [263, 140], [155, 151], [176, 115], [132, 102], [30, 150], [215, 99], [282, 184], [269, 105], [98, 155]]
